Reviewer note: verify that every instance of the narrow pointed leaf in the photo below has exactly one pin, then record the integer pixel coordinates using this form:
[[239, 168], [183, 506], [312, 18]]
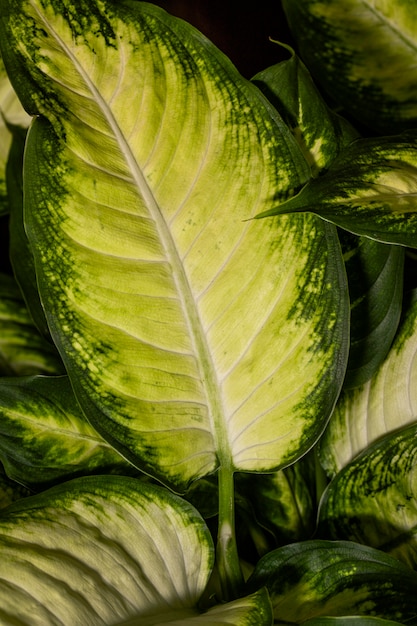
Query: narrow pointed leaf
[[372, 500], [363, 55], [383, 404], [370, 189], [182, 322], [329, 578], [44, 436], [23, 351], [100, 551], [375, 278]]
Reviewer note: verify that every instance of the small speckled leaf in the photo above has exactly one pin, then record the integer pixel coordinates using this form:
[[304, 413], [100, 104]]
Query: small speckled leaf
[[372, 500], [386, 402], [370, 189], [317, 578], [375, 278], [183, 323], [319, 132], [99, 551], [23, 351], [44, 436], [363, 54]]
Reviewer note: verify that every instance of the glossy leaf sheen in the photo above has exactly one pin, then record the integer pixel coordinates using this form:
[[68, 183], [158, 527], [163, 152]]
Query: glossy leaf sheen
[[372, 500], [99, 551], [183, 324]]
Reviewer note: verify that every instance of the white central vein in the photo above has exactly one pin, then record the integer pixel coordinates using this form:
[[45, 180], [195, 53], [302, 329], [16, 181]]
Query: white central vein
[[185, 295]]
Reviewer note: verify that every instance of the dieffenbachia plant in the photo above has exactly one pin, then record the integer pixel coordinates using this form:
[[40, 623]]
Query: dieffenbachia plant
[[201, 351]]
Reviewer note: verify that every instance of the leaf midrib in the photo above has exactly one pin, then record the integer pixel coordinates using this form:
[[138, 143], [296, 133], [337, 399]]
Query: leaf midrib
[[202, 352]]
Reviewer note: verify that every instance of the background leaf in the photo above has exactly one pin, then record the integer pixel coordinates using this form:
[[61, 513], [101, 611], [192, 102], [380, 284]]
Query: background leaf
[[44, 436], [326, 578], [383, 404], [372, 500], [375, 278], [148, 266], [12, 116], [23, 351], [343, 42]]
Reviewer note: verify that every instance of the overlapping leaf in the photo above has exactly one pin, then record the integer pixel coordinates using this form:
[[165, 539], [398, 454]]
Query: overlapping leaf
[[383, 404], [12, 115], [363, 54], [183, 323], [375, 278], [372, 500], [44, 436], [370, 189], [320, 133], [336, 578], [23, 351]]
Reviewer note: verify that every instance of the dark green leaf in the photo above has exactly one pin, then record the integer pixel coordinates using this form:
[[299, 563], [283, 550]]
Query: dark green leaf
[[375, 278], [327, 578], [372, 500]]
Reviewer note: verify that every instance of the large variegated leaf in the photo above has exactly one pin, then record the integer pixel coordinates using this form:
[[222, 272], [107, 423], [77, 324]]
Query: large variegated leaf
[[363, 53], [44, 436], [183, 323], [331, 578], [383, 404], [372, 500], [375, 278], [23, 351], [101, 551], [370, 189]]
